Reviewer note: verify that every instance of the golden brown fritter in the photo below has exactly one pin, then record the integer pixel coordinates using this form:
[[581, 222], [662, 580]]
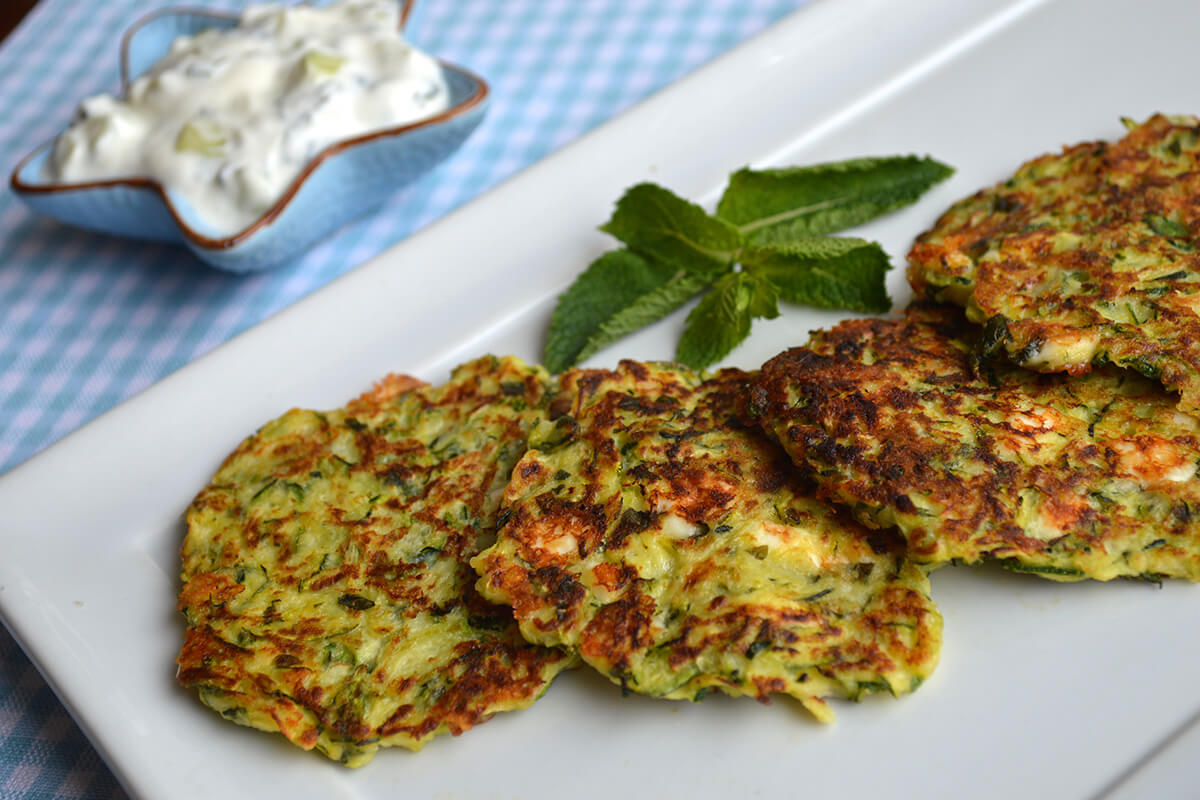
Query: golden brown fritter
[[326, 586], [1084, 257], [678, 552], [1071, 478]]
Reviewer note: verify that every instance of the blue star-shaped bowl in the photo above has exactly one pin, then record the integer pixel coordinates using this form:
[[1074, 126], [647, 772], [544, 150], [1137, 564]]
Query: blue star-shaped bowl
[[346, 180]]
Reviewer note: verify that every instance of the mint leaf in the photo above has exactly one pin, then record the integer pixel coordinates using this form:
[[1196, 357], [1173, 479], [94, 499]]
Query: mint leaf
[[652, 306], [721, 321], [609, 285], [797, 202], [665, 227], [824, 272]]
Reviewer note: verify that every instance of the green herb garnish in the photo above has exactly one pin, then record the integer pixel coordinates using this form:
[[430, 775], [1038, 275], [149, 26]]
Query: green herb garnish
[[826, 272], [722, 318], [795, 202], [767, 242], [668, 229]]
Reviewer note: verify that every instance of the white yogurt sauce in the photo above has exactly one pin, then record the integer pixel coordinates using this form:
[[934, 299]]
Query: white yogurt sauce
[[229, 118]]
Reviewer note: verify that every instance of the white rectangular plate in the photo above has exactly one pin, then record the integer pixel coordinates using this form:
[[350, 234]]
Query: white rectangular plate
[[1054, 690]]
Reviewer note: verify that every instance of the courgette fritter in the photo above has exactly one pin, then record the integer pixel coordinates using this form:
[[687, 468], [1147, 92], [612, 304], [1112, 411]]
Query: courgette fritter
[[1070, 478], [678, 552], [326, 585], [1085, 257]]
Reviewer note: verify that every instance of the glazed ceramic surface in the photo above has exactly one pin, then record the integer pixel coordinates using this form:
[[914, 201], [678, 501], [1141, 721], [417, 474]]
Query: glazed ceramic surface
[[345, 181]]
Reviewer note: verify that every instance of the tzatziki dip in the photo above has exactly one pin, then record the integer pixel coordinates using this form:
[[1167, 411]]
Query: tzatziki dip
[[230, 117]]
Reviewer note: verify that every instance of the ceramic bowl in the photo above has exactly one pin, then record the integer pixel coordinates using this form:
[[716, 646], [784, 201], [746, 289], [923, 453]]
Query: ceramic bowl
[[344, 181]]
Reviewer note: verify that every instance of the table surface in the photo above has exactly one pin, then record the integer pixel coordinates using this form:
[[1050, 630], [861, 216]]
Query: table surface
[[86, 320]]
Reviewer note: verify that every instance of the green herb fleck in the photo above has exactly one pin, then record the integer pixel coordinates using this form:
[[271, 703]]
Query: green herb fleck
[[485, 623], [355, 602], [427, 556], [1017, 566], [338, 652], [757, 647], [995, 335], [1174, 276], [1144, 366], [1169, 228]]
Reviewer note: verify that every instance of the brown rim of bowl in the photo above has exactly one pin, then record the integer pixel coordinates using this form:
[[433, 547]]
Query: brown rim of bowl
[[270, 215]]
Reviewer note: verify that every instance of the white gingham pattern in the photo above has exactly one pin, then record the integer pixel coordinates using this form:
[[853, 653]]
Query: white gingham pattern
[[86, 320]]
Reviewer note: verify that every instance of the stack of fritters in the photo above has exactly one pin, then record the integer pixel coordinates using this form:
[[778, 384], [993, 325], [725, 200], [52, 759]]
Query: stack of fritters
[[1080, 259], [326, 586], [1088, 477], [1084, 257], [679, 552]]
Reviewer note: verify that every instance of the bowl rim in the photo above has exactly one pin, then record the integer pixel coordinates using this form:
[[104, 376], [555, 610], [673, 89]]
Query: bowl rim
[[406, 7], [193, 237]]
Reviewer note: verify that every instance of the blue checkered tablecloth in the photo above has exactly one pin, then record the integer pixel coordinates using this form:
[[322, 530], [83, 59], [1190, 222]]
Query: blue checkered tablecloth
[[86, 320]]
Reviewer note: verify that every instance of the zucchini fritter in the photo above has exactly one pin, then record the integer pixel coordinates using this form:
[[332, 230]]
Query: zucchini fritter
[[1070, 478], [1085, 257], [678, 552], [326, 589]]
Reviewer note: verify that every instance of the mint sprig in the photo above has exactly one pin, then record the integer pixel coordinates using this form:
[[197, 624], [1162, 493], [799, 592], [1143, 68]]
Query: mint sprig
[[779, 205], [767, 242]]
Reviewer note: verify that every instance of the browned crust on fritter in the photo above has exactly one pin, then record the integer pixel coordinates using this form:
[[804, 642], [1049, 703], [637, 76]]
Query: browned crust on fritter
[[1070, 478], [332, 548], [1094, 249], [654, 468], [385, 390]]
